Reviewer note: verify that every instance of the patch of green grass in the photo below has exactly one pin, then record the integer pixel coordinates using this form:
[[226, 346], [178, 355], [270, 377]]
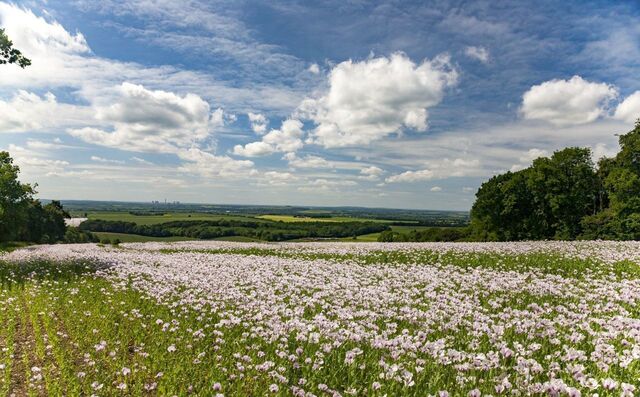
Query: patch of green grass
[[242, 239], [155, 219], [291, 218], [8, 246], [363, 238], [135, 238]]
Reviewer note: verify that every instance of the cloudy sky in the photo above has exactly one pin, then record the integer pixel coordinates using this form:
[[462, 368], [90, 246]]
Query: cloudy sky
[[391, 104]]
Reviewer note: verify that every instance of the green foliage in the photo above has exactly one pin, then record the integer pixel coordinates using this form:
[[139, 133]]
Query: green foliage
[[15, 198], [430, 234], [564, 197], [386, 236], [8, 54], [248, 227], [23, 218], [75, 235], [544, 201]]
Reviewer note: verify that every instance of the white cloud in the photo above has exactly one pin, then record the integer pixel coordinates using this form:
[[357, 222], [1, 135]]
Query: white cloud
[[219, 118], [468, 189], [600, 150], [372, 170], [61, 60], [435, 189], [314, 68], [371, 99], [106, 161], [478, 53], [286, 139], [151, 121], [327, 184], [258, 123], [533, 154], [253, 149], [309, 161], [526, 159], [371, 173], [141, 161], [41, 145], [208, 165], [275, 178], [411, 176], [629, 109], [29, 112], [29, 159], [567, 102], [439, 169]]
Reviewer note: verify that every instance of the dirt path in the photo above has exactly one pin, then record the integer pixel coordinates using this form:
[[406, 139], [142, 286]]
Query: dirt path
[[24, 357]]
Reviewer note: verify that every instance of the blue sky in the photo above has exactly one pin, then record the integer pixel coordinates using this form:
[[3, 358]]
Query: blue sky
[[392, 104]]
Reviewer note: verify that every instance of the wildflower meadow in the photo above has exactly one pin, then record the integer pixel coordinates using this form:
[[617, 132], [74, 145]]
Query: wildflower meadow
[[321, 319]]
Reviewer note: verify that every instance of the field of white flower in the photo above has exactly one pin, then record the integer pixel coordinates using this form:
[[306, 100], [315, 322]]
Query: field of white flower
[[321, 319]]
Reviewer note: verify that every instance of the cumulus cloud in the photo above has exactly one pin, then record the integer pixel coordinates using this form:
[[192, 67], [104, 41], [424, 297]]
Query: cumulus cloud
[[327, 184], [286, 139], [314, 68], [478, 53], [435, 189], [629, 109], [64, 60], [527, 158], [275, 178], [567, 102], [371, 99], [151, 121], [371, 173], [600, 150], [219, 118], [253, 149], [309, 161], [444, 168], [29, 112], [412, 176], [208, 165], [258, 122]]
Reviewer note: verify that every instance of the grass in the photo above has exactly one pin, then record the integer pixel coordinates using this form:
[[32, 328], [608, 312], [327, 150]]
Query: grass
[[372, 237], [291, 218], [155, 219], [136, 238], [179, 216], [8, 246], [241, 239]]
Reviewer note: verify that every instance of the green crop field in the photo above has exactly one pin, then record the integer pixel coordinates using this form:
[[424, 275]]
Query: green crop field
[[155, 219], [291, 218]]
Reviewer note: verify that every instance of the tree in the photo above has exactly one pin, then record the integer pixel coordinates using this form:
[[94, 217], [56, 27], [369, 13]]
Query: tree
[[547, 200], [15, 198], [621, 181], [565, 189], [8, 54], [54, 221]]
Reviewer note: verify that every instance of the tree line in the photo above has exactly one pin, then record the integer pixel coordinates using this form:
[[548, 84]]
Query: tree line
[[258, 229], [24, 218], [565, 196]]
